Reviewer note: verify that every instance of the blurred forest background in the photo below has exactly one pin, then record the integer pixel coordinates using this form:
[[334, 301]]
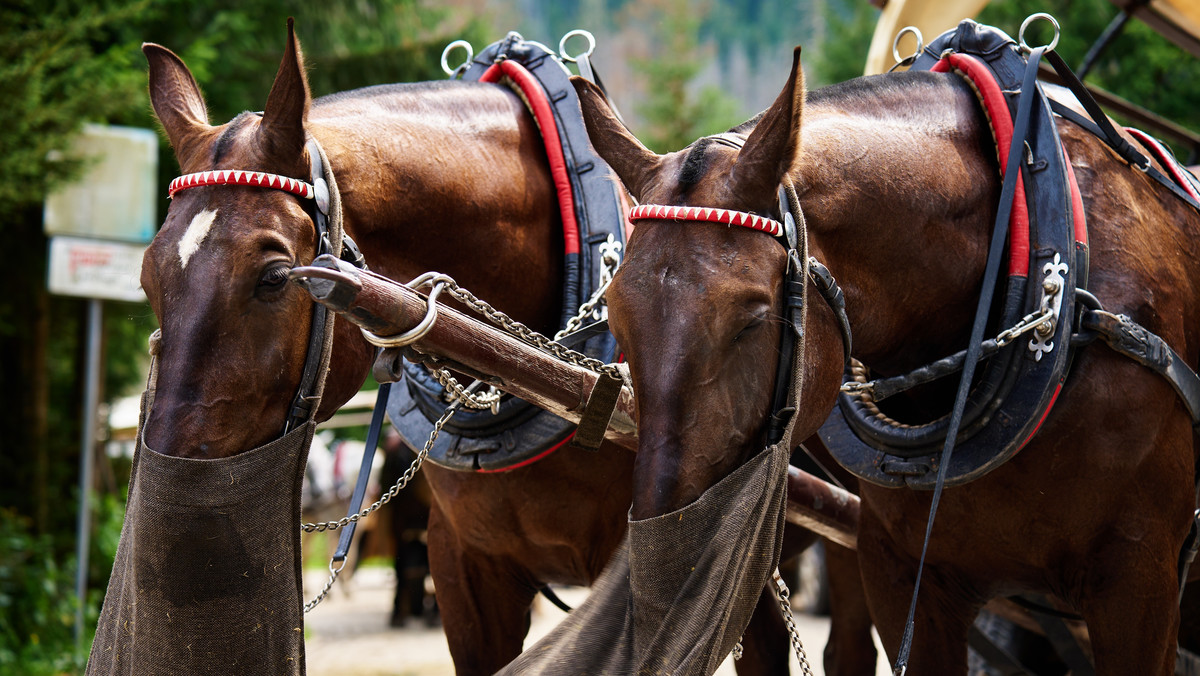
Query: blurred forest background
[[677, 68]]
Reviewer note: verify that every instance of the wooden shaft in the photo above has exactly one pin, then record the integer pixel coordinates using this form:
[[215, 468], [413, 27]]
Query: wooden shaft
[[471, 346]]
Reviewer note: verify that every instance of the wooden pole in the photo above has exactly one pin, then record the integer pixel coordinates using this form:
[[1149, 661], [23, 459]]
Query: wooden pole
[[480, 350]]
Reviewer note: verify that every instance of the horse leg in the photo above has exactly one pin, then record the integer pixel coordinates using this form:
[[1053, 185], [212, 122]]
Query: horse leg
[[945, 609], [1131, 614], [766, 641], [851, 649], [484, 606]]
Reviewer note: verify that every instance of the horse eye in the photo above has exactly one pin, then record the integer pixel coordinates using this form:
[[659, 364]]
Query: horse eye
[[756, 320], [273, 277]]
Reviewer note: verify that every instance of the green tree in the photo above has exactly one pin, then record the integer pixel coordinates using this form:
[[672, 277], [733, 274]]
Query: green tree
[[66, 62], [842, 50], [674, 110], [1140, 65]]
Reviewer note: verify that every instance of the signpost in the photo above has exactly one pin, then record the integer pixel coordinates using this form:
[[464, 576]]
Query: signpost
[[98, 227]]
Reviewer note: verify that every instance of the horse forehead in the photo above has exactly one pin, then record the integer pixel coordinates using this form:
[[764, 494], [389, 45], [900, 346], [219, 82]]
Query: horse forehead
[[227, 223], [698, 175], [682, 263], [197, 231]]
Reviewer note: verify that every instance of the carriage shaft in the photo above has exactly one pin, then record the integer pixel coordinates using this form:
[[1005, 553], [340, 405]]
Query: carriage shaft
[[471, 346]]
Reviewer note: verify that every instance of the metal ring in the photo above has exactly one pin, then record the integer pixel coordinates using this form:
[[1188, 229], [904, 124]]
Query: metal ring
[[1028, 20], [896, 42], [562, 45], [446, 56], [417, 332]]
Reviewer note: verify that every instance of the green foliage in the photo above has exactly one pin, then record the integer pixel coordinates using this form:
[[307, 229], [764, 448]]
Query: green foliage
[[842, 53], [675, 113], [56, 71], [37, 595], [1140, 65]]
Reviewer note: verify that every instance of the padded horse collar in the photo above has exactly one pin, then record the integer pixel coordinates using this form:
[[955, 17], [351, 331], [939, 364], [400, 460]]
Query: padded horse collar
[[1015, 395], [518, 433], [1047, 240]]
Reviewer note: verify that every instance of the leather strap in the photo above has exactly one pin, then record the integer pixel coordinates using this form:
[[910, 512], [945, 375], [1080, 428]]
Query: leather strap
[[597, 413], [364, 471], [1129, 338], [1067, 113], [974, 345]]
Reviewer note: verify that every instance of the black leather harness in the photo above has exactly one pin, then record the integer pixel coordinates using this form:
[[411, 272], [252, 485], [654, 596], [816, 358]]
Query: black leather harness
[[518, 432], [1019, 383]]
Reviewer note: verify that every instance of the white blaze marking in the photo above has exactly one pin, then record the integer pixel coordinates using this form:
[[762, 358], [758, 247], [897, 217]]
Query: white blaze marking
[[196, 232]]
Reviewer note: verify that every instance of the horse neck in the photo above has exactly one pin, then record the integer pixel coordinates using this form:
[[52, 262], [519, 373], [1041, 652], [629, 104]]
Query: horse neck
[[899, 191], [449, 177]]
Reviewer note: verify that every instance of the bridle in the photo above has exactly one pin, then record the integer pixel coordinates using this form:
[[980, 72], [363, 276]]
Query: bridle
[[790, 234], [330, 240], [789, 380]]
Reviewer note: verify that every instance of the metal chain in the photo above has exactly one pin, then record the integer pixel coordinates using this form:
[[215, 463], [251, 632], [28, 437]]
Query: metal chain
[[333, 575], [383, 500], [785, 607], [528, 335], [610, 261], [456, 392], [499, 319], [584, 310], [1030, 322], [409, 473]]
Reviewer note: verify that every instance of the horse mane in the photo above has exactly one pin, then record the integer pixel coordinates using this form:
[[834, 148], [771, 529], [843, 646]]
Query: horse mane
[[225, 141]]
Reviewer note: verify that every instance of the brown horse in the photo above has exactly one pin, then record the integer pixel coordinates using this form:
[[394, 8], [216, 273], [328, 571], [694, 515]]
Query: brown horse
[[897, 178], [444, 176]]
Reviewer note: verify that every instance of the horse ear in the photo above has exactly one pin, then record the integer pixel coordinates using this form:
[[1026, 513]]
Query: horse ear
[[176, 99], [282, 129], [632, 161], [774, 145]]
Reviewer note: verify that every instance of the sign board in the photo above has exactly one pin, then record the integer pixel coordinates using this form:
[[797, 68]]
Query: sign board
[[95, 268], [115, 196]]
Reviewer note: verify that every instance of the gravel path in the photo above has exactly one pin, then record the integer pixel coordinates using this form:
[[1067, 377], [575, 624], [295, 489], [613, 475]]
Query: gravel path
[[348, 634]]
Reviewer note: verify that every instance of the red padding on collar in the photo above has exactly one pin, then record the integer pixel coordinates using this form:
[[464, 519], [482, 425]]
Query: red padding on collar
[[1081, 235], [1165, 159], [535, 96], [1002, 128]]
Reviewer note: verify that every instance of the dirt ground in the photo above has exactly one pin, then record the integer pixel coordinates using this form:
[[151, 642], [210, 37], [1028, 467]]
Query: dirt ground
[[348, 633]]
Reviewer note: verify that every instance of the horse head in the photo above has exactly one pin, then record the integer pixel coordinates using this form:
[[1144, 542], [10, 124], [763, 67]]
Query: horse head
[[695, 306], [234, 331]]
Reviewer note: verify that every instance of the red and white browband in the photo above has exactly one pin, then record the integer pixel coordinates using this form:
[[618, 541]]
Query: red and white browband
[[238, 177], [657, 211]]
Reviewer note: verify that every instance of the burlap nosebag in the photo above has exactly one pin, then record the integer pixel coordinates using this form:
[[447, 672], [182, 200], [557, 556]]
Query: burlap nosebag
[[679, 592], [207, 577]]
